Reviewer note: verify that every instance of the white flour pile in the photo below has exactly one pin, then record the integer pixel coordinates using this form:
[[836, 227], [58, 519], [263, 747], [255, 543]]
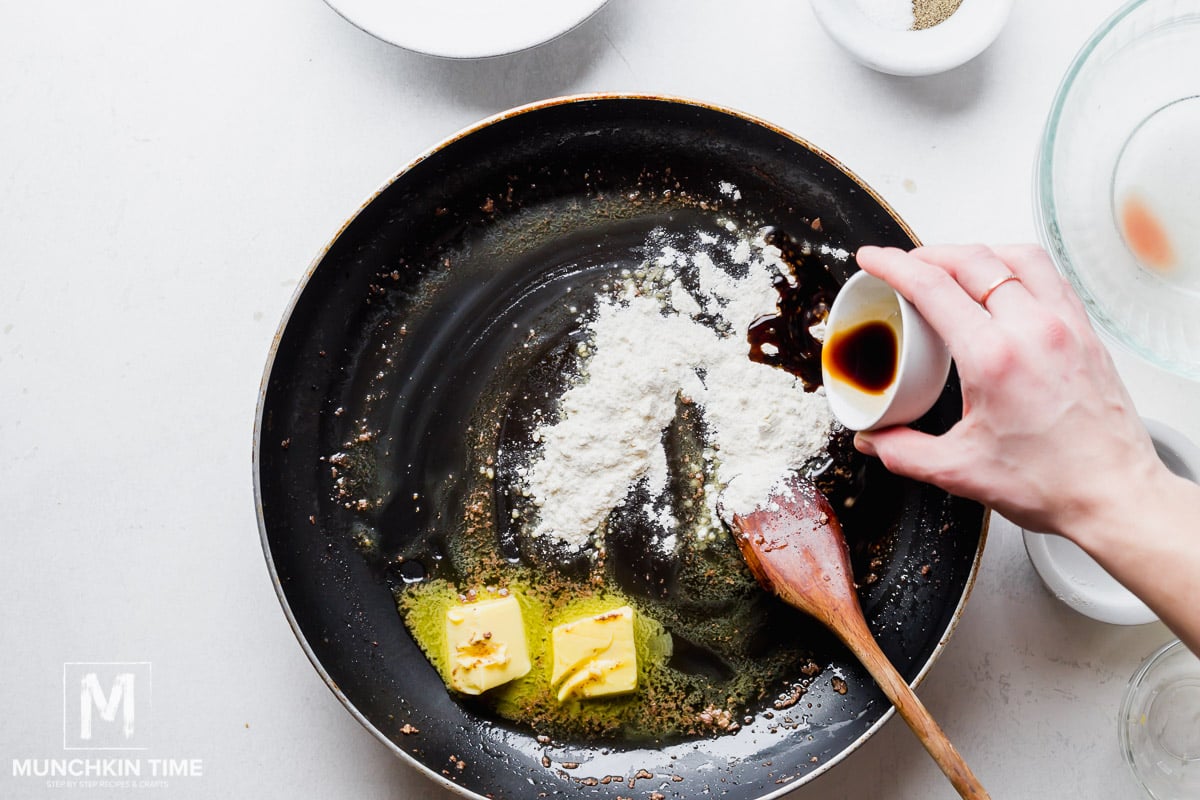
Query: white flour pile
[[648, 348]]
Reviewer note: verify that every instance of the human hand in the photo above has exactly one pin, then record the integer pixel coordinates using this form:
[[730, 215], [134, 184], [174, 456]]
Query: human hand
[[1049, 436]]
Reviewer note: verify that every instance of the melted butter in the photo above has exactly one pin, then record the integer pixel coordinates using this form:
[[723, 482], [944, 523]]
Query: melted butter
[[595, 656], [533, 697], [486, 644]]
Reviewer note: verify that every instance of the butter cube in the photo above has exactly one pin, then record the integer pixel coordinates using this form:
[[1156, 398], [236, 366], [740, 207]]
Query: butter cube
[[486, 642], [595, 656]]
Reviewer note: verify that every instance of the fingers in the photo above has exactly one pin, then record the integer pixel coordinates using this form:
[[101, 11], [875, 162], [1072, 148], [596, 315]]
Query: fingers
[[983, 274], [1034, 267], [936, 294], [977, 269], [911, 453], [1041, 278]]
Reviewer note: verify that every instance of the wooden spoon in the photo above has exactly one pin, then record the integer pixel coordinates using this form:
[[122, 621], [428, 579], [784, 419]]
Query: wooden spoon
[[795, 548]]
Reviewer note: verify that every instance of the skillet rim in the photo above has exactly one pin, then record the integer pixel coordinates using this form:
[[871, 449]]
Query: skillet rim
[[276, 339]]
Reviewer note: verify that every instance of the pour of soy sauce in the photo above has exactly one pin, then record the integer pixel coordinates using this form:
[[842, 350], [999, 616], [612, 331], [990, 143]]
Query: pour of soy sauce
[[785, 339]]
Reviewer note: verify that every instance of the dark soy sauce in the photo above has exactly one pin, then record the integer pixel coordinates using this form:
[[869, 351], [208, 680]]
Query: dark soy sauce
[[784, 339], [864, 356]]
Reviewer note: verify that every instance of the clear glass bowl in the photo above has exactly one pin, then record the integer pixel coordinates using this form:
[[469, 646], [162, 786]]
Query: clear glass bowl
[[1118, 180], [1159, 724]]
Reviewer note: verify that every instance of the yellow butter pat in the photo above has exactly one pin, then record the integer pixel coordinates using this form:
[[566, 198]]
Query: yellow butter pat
[[486, 643], [595, 656]]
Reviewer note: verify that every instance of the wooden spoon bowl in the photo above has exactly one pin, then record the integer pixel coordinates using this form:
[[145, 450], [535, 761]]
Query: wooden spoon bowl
[[795, 547]]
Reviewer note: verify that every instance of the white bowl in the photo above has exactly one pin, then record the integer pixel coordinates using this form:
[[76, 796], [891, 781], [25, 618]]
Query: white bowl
[[1076, 579], [466, 28], [966, 34], [923, 362]]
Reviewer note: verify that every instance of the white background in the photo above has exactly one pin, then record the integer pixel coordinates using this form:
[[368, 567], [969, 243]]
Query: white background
[[167, 172]]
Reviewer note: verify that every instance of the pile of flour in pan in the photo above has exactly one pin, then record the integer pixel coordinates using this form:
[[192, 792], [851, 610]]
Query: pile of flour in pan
[[675, 331]]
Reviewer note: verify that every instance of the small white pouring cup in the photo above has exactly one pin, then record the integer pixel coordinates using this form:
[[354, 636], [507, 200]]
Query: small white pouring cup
[[923, 362]]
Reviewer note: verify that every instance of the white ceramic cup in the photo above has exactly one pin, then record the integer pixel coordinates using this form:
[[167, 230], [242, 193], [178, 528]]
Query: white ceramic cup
[[922, 363], [966, 34]]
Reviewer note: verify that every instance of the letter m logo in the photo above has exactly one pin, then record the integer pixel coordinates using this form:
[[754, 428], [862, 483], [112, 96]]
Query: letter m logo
[[92, 696], [105, 705]]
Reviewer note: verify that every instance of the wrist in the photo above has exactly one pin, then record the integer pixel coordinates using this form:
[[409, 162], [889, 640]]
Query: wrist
[[1103, 522]]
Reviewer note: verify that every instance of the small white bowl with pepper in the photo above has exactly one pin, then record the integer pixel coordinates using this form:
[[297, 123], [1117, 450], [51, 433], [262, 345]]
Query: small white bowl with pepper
[[913, 37]]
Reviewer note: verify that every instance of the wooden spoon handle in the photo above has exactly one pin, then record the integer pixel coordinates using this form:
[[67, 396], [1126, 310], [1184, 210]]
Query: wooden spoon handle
[[859, 639]]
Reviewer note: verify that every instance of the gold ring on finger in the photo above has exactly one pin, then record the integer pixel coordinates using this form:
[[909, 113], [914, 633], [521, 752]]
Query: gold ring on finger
[[996, 284]]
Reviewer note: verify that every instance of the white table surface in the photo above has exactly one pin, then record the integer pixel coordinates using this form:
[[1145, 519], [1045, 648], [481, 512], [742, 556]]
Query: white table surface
[[167, 172]]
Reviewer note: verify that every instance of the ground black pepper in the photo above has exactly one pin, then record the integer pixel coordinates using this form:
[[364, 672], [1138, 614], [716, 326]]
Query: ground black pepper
[[927, 13]]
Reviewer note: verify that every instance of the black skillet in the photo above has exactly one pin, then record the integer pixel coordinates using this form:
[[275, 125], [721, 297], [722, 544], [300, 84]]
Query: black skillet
[[421, 305]]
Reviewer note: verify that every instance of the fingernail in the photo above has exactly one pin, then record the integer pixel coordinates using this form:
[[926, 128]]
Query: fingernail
[[864, 445]]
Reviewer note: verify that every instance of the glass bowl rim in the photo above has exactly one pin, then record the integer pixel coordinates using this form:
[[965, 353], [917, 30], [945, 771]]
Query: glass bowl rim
[[1046, 211], [1131, 689]]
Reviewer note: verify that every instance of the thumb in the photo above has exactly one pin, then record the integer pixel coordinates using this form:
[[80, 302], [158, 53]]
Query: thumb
[[907, 452]]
